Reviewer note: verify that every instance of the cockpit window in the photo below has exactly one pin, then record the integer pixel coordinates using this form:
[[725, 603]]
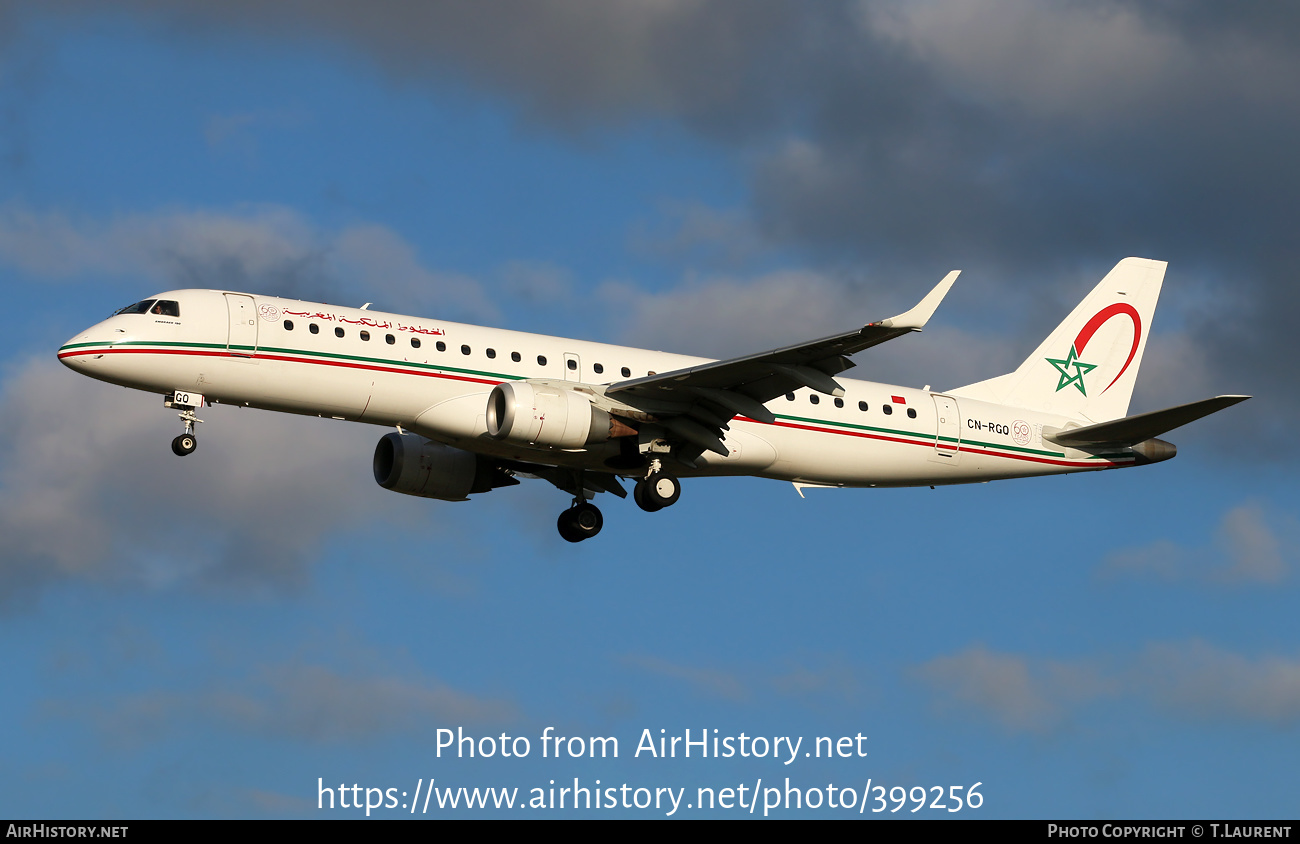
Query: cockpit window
[[157, 307], [137, 308]]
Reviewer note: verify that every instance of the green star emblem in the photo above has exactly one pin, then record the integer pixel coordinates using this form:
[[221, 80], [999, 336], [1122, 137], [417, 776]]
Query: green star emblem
[[1075, 378]]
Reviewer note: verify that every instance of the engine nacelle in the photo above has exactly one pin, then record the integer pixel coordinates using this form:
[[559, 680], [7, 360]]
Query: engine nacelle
[[538, 413], [413, 465]]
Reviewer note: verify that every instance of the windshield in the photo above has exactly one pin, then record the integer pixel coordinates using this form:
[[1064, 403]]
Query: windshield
[[137, 308], [158, 307]]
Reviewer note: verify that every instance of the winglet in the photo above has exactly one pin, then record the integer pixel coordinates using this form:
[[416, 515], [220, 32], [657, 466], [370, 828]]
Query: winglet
[[916, 318]]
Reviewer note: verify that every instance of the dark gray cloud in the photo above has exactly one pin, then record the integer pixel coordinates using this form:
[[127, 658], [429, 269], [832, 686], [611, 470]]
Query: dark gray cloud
[[1024, 141]]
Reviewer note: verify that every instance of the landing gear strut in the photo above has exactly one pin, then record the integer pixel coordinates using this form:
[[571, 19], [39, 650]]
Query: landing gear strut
[[581, 521], [657, 490]]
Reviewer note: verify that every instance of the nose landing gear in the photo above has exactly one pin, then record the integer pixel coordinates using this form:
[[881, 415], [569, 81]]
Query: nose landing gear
[[188, 403]]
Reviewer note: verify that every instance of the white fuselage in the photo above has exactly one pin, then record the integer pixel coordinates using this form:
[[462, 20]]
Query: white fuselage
[[433, 378]]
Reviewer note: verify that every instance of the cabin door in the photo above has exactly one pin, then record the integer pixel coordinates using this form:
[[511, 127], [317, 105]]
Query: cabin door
[[243, 325], [947, 437]]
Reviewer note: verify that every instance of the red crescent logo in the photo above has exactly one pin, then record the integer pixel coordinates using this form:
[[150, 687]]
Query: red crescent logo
[[1099, 319]]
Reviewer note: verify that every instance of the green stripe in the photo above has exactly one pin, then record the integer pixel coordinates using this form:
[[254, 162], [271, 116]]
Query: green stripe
[[276, 349], [925, 436], [506, 377]]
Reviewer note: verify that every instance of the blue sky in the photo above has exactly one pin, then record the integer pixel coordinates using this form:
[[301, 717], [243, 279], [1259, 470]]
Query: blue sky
[[208, 637]]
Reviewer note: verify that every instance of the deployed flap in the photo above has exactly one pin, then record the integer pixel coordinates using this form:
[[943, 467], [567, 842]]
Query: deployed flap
[[565, 479], [1144, 426]]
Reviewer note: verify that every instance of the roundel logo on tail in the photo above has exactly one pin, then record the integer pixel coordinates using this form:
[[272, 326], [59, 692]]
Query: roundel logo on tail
[[1072, 369]]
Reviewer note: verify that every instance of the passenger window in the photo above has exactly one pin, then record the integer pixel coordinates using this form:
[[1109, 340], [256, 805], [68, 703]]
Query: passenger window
[[862, 406], [597, 368], [491, 353], [415, 342], [390, 339], [789, 396], [516, 357], [887, 409], [314, 328], [627, 373], [814, 398], [365, 335], [911, 413], [288, 325], [464, 350], [440, 346], [839, 402], [338, 332], [572, 364], [541, 360]]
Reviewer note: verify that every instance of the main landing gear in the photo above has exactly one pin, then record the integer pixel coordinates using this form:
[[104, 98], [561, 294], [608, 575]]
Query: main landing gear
[[581, 521], [656, 490]]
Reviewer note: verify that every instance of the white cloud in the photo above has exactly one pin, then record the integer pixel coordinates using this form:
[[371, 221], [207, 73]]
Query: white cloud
[[725, 316], [709, 681], [303, 701], [1018, 692], [1246, 549], [258, 249], [1204, 681], [89, 488], [1192, 679]]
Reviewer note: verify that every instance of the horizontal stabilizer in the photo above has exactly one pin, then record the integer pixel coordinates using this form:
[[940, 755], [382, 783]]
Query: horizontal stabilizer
[[1144, 426]]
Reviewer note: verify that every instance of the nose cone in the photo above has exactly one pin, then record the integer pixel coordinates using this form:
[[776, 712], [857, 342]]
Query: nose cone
[[72, 356], [82, 352]]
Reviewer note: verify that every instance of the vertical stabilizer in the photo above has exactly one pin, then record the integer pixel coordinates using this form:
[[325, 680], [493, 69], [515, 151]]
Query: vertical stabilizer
[[1087, 367]]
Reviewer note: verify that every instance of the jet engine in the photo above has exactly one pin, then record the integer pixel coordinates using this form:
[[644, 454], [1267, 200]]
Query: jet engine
[[539, 413], [413, 465]]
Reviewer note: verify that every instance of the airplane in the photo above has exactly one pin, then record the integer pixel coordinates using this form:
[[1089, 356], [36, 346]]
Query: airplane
[[476, 408]]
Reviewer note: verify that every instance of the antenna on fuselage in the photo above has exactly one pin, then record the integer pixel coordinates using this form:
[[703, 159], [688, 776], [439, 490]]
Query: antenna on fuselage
[[366, 305]]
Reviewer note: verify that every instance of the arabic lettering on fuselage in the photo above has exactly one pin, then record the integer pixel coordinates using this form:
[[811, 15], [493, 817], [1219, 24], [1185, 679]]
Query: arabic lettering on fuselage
[[366, 321]]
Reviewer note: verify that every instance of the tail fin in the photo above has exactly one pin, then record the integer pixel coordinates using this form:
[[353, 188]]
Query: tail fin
[[1087, 367]]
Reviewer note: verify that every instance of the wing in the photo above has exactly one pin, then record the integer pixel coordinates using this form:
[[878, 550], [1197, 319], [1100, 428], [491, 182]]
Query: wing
[[696, 403]]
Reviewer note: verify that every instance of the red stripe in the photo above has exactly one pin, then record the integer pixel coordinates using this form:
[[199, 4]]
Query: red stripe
[[339, 363], [966, 449], [862, 434]]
